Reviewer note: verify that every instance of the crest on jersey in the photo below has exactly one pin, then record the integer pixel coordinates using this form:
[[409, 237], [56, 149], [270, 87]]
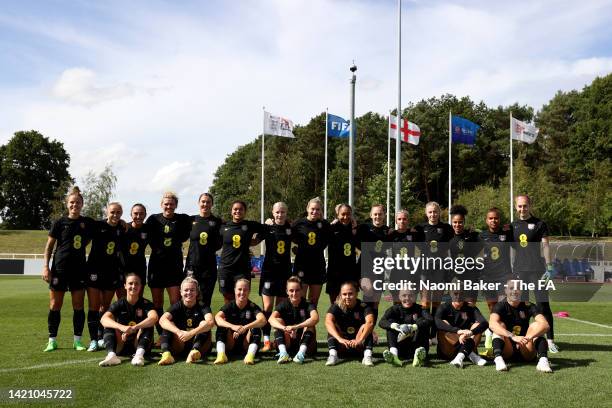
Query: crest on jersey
[[82, 225], [143, 235], [247, 314], [408, 237], [118, 232], [502, 238], [222, 283], [357, 315], [319, 225], [302, 313], [350, 330], [288, 231], [415, 317], [245, 227], [439, 230], [93, 277], [522, 314], [531, 226], [464, 315], [139, 312], [212, 223]]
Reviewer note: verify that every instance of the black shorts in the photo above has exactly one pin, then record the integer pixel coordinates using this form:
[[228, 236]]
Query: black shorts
[[227, 280], [165, 279], [495, 294], [272, 287], [64, 281], [109, 281], [310, 276], [207, 287]]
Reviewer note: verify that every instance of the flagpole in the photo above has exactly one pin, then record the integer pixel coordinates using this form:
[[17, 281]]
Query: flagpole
[[450, 177], [325, 182], [352, 136], [398, 148], [263, 158], [388, 166], [511, 175]]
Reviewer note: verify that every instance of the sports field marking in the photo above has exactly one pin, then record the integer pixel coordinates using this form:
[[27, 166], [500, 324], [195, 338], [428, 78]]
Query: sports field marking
[[587, 322], [51, 365], [583, 334]]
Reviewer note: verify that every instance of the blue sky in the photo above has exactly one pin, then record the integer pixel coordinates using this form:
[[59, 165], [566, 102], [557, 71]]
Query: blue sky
[[166, 90]]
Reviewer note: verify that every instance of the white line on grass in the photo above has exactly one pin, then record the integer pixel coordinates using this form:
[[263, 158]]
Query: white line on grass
[[587, 322], [50, 365], [583, 334]]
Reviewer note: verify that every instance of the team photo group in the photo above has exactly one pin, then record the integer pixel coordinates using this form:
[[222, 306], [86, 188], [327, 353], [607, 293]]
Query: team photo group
[[301, 258]]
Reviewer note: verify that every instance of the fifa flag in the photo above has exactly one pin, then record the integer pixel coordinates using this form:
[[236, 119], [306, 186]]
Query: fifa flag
[[277, 126], [463, 130], [337, 126], [410, 132], [522, 131]]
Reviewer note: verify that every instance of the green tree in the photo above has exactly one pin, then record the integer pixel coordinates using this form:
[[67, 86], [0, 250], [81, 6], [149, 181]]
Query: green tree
[[97, 191], [32, 168]]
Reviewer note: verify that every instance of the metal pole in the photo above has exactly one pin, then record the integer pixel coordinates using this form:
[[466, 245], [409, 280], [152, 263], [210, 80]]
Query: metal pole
[[388, 167], [263, 158], [352, 136], [325, 182], [450, 160], [398, 146], [511, 175]]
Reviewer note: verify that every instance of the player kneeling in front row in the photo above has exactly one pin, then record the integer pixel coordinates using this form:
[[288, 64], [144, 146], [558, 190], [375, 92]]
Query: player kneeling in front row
[[295, 320], [186, 325], [128, 325], [459, 329], [514, 337], [349, 324], [239, 324], [408, 327]]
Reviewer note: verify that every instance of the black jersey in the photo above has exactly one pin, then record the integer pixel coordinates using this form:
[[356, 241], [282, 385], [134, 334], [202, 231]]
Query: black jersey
[[367, 232], [277, 262], [459, 319], [496, 252], [350, 320], [405, 242], [204, 242], [516, 319], [72, 236], [341, 252], [293, 315], [130, 315], [236, 239], [527, 236], [166, 237], [188, 318], [134, 244], [235, 315], [414, 314], [105, 249], [312, 237], [435, 238], [465, 245]]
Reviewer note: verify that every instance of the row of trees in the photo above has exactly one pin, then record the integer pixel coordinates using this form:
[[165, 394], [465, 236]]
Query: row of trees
[[34, 179], [567, 170]]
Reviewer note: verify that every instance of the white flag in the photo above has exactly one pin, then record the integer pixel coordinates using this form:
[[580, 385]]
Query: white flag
[[410, 132], [277, 126], [524, 132]]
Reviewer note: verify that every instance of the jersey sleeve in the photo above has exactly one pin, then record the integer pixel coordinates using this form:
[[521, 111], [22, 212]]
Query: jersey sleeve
[[334, 309], [425, 319], [255, 308], [387, 319], [205, 310], [56, 231], [483, 324], [114, 309], [543, 229], [174, 309], [498, 308], [440, 323], [367, 310], [311, 307]]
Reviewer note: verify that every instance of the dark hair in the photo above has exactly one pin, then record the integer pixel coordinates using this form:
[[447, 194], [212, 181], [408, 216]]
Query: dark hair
[[458, 210], [207, 195], [495, 210], [127, 275], [139, 205], [242, 203]]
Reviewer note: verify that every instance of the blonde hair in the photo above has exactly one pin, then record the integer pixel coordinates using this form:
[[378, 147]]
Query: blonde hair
[[315, 200], [75, 190], [171, 195], [280, 204], [248, 282], [117, 203], [188, 280], [433, 204], [402, 211]]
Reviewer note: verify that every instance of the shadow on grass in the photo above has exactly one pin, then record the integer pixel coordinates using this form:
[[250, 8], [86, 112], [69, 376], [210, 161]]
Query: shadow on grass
[[583, 347]]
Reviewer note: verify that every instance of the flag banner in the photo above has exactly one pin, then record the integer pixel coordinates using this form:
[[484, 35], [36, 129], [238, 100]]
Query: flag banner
[[410, 132], [277, 126], [463, 131], [337, 126], [525, 132]]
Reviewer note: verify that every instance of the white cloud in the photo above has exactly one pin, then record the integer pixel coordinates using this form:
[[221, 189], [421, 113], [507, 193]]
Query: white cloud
[[78, 85]]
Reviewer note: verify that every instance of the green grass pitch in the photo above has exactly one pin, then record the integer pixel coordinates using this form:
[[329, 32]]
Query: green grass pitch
[[581, 377]]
